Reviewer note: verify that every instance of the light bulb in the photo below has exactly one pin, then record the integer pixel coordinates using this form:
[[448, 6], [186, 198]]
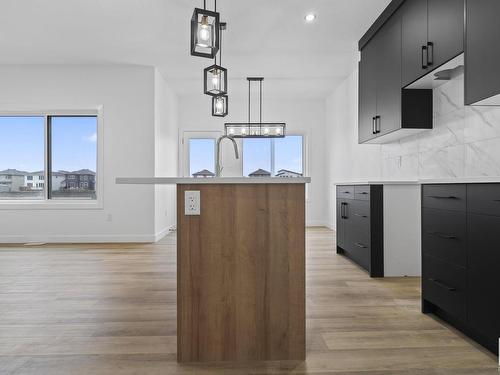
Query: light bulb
[[204, 30], [215, 80], [219, 106], [278, 131], [231, 131], [243, 131], [266, 131]]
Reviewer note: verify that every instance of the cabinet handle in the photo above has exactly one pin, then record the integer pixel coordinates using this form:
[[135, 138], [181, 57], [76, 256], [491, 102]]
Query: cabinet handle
[[424, 59], [345, 211], [363, 193], [377, 124], [430, 54], [373, 125], [442, 197], [358, 215], [442, 235], [360, 245], [442, 285]]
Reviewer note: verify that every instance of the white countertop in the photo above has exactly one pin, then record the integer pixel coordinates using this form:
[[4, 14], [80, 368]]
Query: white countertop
[[465, 180], [211, 180]]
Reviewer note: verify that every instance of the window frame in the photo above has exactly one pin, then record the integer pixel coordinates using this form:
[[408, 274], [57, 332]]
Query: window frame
[[185, 137], [273, 156], [61, 204]]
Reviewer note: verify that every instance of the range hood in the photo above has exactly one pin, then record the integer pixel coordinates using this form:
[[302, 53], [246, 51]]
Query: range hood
[[440, 75]]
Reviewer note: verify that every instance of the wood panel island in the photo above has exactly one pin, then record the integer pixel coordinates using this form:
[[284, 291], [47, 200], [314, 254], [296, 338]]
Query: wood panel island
[[240, 268]]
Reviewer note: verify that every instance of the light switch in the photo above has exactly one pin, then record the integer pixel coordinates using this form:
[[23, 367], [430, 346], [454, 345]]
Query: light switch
[[192, 202]]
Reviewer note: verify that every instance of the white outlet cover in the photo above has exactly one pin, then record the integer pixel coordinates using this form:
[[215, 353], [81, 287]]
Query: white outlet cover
[[192, 202]]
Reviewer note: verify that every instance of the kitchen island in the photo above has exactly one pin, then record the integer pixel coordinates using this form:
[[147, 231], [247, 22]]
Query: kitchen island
[[240, 268]]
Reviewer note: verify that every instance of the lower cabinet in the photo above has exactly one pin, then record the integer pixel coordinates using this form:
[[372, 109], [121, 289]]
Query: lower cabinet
[[360, 226], [461, 258]]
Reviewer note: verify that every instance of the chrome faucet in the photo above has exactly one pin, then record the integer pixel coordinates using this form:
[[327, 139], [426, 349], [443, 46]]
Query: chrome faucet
[[218, 167]]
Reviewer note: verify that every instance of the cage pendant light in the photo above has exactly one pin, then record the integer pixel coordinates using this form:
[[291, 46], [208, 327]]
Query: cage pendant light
[[205, 32], [215, 76], [255, 129]]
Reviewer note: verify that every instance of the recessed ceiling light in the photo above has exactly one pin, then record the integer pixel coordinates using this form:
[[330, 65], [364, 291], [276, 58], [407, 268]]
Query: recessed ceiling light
[[310, 17]]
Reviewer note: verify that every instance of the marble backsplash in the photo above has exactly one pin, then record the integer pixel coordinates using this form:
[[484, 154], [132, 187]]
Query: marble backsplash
[[465, 141]]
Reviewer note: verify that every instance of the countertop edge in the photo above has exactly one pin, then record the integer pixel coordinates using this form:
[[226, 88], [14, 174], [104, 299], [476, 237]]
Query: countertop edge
[[211, 180]]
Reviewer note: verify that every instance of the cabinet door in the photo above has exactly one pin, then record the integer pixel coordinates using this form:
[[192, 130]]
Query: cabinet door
[[367, 92], [340, 235], [483, 276], [445, 30], [482, 50], [388, 45], [414, 34]]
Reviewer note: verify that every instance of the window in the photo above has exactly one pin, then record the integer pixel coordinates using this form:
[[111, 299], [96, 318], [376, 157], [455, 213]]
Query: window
[[202, 157], [281, 157], [25, 160], [74, 153], [22, 152]]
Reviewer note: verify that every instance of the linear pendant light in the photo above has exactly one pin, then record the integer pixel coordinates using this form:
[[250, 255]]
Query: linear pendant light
[[255, 129], [205, 32]]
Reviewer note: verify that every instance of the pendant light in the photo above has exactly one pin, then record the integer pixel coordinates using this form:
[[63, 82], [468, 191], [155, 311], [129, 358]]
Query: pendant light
[[215, 76], [220, 101], [255, 129], [205, 31]]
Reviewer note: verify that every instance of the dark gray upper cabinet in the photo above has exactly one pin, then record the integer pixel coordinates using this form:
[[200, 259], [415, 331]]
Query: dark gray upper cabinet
[[482, 52], [414, 40], [445, 30], [433, 33], [367, 92], [388, 46]]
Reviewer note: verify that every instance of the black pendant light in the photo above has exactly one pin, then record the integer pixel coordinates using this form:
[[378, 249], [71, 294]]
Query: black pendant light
[[220, 105], [205, 32], [215, 76], [255, 129]]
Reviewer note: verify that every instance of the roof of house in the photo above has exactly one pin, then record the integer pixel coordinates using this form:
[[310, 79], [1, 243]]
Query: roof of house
[[81, 171], [260, 172], [204, 172], [284, 171], [13, 172]]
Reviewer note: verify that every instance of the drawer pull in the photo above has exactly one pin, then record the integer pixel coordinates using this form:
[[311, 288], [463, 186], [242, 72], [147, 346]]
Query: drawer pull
[[346, 192], [443, 197], [360, 245], [442, 285], [364, 193], [442, 235], [358, 215]]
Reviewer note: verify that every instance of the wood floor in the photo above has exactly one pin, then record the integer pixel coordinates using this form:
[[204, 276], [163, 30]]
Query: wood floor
[[110, 309]]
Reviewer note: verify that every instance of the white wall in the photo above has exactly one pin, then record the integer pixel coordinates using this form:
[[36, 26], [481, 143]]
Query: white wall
[[166, 154], [346, 159], [465, 142], [301, 116], [127, 96]]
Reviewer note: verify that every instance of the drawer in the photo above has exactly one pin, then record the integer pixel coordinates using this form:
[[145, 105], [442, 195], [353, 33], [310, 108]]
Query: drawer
[[345, 191], [444, 235], [362, 192], [360, 209], [443, 285], [444, 196], [483, 199]]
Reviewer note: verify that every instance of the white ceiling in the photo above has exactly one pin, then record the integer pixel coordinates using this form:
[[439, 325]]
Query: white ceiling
[[265, 37]]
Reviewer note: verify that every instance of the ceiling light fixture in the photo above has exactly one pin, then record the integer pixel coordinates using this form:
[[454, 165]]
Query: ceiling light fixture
[[255, 129], [215, 76], [205, 28], [310, 17]]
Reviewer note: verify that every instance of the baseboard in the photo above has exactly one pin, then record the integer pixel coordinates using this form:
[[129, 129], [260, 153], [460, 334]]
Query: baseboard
[[118, 238], [164, 232], [316, 223]]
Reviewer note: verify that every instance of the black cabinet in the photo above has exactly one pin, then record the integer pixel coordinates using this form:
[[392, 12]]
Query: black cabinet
[[360, 226], [461, 257], [384, 108], [445, 31], [432, 34], [414, 40], [482, 52]]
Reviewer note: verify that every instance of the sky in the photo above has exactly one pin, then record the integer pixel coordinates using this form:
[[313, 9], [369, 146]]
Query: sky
[[256, 154], [22, 146]]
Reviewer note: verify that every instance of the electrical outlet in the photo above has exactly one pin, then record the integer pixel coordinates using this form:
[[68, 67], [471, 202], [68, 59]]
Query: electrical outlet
[[192, 202]]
